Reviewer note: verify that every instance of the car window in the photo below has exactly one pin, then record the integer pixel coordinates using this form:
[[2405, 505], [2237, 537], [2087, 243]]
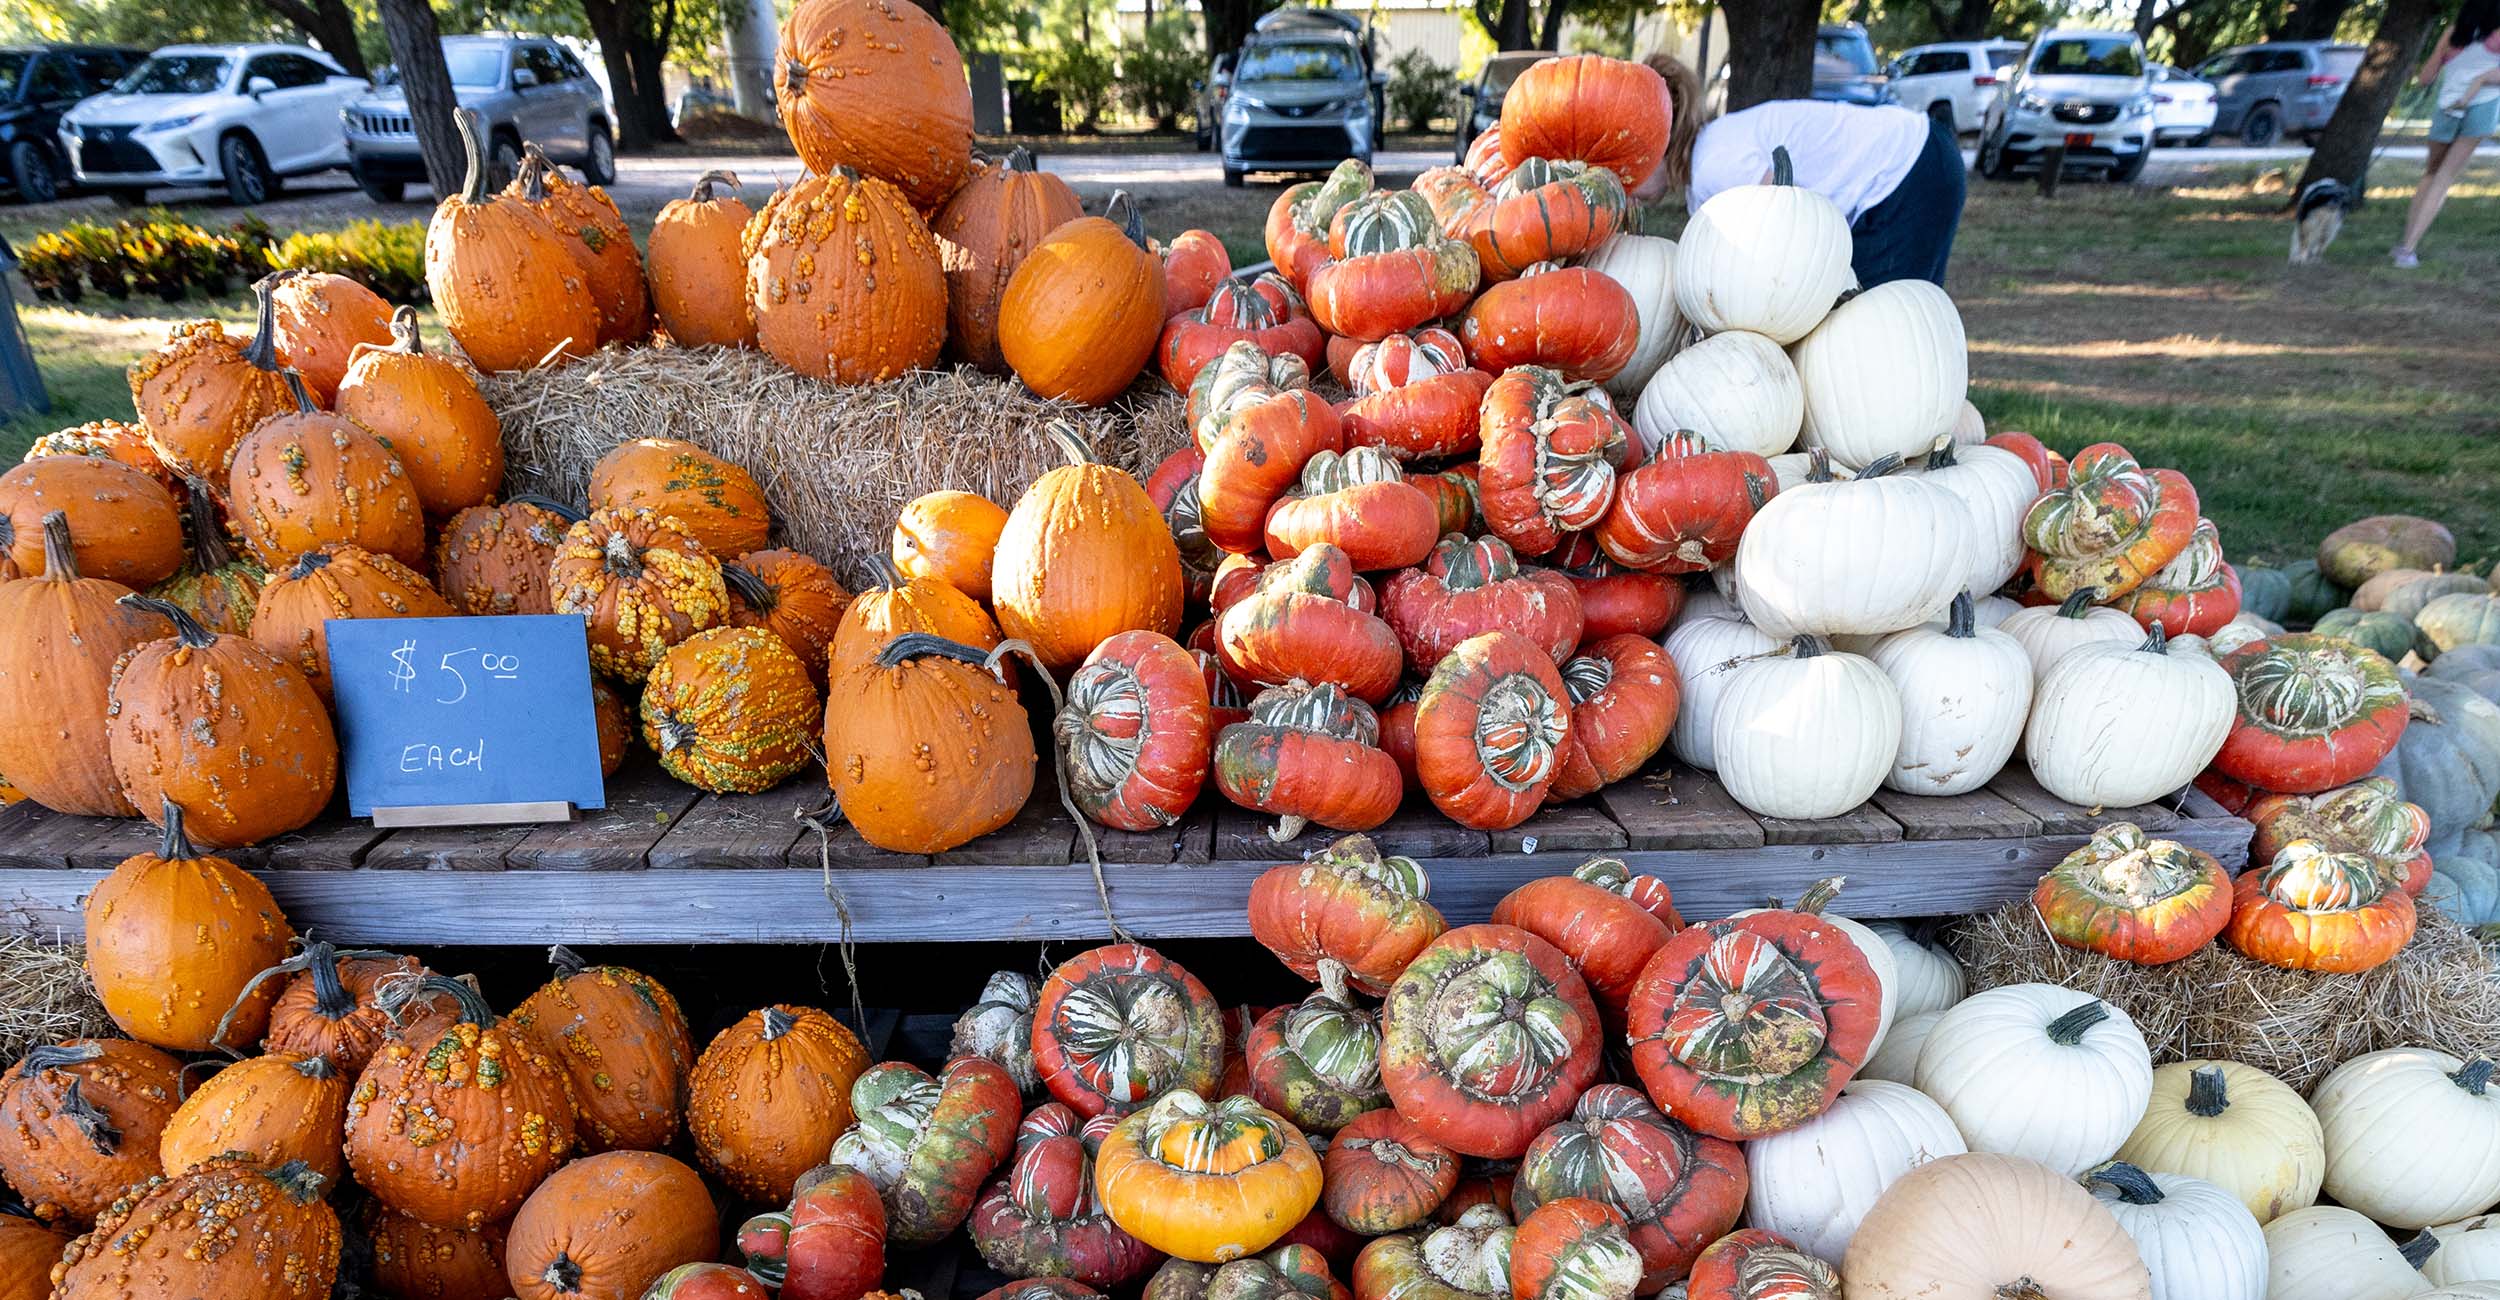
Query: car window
[[542, 61], [98, 70], [2339, 63], [2089, 56], [287, 70], [1500, 73], [476, 66], [2004, 58], [2220, 65], [12, 72], [1297, 63], [178, 74], [2282, 61], [55, 79], [1842, 54], [572, 66]]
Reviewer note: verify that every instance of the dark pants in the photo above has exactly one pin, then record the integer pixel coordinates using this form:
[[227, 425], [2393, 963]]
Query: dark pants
[[1909, 236]]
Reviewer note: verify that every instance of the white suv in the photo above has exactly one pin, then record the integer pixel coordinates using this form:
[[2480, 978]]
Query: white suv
[[1953, 82], [2075, 89], [241, 116]]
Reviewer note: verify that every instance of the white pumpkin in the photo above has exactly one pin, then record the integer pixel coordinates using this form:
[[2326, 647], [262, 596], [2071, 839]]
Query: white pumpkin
[[1969, 430], [1737, 390], [2243, 628], [2039, 1071], [1999, 488], [2464, 1291], [1813, 1183], [1965, 694], [1878, 553], [1795, 467], [2465, 1251], [1707, 652], [1984, 1226], [1645, 266], [2197, 1240], [2234, 1126], [1931, 979], [2327, 1252], [2047, 632], [2114, 725], [1702, 602], [1884, 374], [1767, 258], [1807, 734], [1992, 611], [1898, 1061], [2412, 1136]]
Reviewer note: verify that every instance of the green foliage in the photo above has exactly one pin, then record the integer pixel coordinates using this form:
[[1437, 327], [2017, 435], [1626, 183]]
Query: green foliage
[[153, 252], [1158, 73], [1083, 77], [387, 258], [1421, 91]]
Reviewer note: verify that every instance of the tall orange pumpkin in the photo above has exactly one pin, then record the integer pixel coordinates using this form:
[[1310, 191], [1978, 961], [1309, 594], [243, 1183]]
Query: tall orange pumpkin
[[698, 272], [230, 732], [123, 524], [174, 939], [426, 407], [336, 582], [322, 319], [1085, 554], [984, 233], [876, 86], [500, 274], [620, 1036], [844, 279], [713, 500], [231, 1227], [494, 559], [63, 636], [608, 1226], [925, 749], [794, 597], [79, 1123], [952, 537], [770, 1095], [596, 236], [893, 605], [204, 388], [302, 481], [1612, 113], [273, 1108], [1082, 313]]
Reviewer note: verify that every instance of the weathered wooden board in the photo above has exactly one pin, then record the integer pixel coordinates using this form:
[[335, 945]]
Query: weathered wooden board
[[1978, 815], [1864, 824], [751, 831], [2058, 817], [1416, 830], [643, 802], [1576, 827], [1671, 806]]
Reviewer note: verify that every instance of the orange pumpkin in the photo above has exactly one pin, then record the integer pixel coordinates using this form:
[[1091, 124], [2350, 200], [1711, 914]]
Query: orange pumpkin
[[216, 587], [1612, 113], [330, 1005], [2313, 908], [1082, 314], [595, 234], [322, 319], [608, 1226], [730, 711], [111, 439], [1572, 319], [893, 605], [28, 1251], [300, 482], [878, 86], [494, 559], [620, 1036], [1491, 729], [292, 619], [273, 1108], [80, 1121], [794, 597], [1384, 1174], [951, 537], [500, 274], [1084, 555], [643, 584], [418, 1261], [1298, 222], [713, 501], [844, 280], [64, 636], [1194, 263], [230, 732], [231, 1227], [205, 388], [174, 939], [1625, 693], [123, 525], [697, 269], [616, 728], [1206, 1181], [984, 233], [425, 407], [924, 747], [770, 1095]]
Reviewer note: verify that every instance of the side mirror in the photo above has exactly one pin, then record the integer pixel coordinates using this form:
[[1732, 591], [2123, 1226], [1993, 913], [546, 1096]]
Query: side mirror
[[523, 78], [259, 86]]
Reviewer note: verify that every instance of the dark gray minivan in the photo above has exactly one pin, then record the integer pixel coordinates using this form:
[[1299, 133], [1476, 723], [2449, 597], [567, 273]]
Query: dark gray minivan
[[1303, 95]]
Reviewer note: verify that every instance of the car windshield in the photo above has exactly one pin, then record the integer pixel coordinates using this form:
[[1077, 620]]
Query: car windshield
[[177, 74], [12, 71], [1843, 55], [1499, 73], [1296, 63], [2089, 56], [2339, 63], [474, 65]]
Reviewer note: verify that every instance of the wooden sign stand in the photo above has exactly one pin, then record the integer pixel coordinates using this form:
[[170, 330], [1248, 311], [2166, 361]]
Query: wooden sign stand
[[472, 814]]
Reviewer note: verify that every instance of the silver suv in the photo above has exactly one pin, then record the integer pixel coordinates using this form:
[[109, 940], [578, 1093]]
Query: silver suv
[[524, 87], [2265, 92]]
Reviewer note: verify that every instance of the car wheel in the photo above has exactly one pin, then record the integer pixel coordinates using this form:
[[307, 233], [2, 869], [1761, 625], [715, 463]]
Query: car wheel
[[1994, 163], [248, 178], [2262, 127], [129, 198], [2126, 172], [1233, 178], [503, 160], [31, 169], [599, 165], [382, 191]]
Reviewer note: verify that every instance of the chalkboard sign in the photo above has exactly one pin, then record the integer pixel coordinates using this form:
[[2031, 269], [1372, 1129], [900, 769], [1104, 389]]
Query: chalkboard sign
[[459, 721]]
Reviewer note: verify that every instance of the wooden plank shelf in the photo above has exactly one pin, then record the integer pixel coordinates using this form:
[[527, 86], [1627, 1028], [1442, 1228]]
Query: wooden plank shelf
[[675, 866]]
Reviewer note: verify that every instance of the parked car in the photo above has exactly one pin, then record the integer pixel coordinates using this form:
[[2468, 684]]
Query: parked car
[[2080, 88], [1953, 82], [38, 83], [1212, 88], [1304, 95], [2265, 92], [1844, 65], [523, 88], [2183, 107], [241, 116], [1484, 94]]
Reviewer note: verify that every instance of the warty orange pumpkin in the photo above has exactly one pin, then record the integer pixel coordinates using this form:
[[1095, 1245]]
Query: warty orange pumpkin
[[28, 1250], [952, 537], [494, 559], [770, 1095], [65, 634], [616, 726], [1084, 555], [123, 525], [322, 319], [273, 1108], [204, 388], [215, 586], [292, 618], [844, 280], [80, 1121], [231, 1227], [302, 481], [1082, 314], [924, 746], [500, 274], [712, 500], [594, 233], [643, 584], [330, 1003], [605, 1227], [879, 86], [174, 939], [111, 439], [984, 233], [698, 270], [892, 605], [426, 408], [418, 1261], [620, 1036], [794, 597], [730, 711]]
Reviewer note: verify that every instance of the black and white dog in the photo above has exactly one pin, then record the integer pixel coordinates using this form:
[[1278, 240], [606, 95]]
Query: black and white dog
[[2317, 218]]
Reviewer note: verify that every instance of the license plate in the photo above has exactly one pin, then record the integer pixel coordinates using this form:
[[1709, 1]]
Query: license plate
[[2078, 139]]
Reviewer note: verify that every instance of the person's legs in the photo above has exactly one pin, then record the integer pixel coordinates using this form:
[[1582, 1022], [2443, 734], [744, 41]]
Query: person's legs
[[2439, 172], [1909, 236]]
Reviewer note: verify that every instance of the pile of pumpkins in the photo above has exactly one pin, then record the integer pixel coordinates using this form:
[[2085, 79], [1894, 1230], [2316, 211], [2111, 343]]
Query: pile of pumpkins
[[1584, 1098]]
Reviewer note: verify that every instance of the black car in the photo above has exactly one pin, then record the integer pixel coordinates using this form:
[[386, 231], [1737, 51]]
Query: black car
[[38, 83]]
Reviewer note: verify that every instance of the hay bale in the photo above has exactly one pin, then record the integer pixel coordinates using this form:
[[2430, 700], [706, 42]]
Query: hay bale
[[837, 463], [45, 996], [2442, 991]]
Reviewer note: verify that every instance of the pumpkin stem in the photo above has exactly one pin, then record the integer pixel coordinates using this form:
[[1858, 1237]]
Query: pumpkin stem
[[2475, 1076], [882, 574], [777, 1022], [315, 1067], [52, 1056], [1333, 981], [1070, 443], [98, 1126], [308, 564], [743, 582], [624, 559], [2021, 1289], [60, 558], [473, 147], [1819, 466], [1962, 620], [330, 996], [304, 403], [1880, 466], [1783, 169], [1805, 646], [2209, 1094], [1288, 828], [703, 184], [2158, 642], [567, 962], [1129, 219], [2068, 1030], [921, 645], [2133, 1185], [404, 336], [568, 514], [675, 733], [1820, 895], [210, 550], [472, 1004], [564, 1275], [263, 349], [300, 1181], [1944, 456], [2075, 605], [174, 845], [2418, 1249], [187, 630], [1020, 159], [534, 169]]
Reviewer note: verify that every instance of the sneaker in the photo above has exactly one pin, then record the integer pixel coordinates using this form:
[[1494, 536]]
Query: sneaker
[[2405, 260]]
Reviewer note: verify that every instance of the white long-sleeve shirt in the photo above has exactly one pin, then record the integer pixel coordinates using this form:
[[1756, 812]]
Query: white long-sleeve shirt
[[1851, 154]]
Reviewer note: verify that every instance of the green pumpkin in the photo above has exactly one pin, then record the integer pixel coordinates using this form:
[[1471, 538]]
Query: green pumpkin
[[2409, 599], [2364, 548], [2313, 594], [2461, 618], [2465, 882], [2264, 592], [2448, 759], [2391, 635], [2476, 667]]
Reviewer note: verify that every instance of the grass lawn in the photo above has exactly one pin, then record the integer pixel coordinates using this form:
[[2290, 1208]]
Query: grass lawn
[[2165, 319]]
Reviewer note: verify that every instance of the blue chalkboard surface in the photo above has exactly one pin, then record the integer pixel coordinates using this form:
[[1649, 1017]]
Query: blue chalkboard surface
[[462, 712]]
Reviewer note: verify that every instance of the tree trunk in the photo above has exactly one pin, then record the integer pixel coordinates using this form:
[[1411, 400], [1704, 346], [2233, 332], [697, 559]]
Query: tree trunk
[[633, 44], [2344, 148], [2310, 20], [1511, 25], [417, 47], [1549, 35], [1970, 20], [1771, 45], [1229, 23], [328, 24]]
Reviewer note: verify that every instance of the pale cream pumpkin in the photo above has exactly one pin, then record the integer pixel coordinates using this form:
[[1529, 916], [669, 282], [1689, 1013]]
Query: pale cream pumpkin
[[1884, 375], [1707, 653], [1931, 979], [2047, 632], [2114, 725], [1965, 694], [1991, 1227], [2235, 1126], [1807, 734], [1898, 1061], [1814, 1183], [1645, 266], [1877, 553], [2412, 1136], [2327, 1252], [1767, 258], [2039, 1071], [2465, 1251], [2197, 1240]]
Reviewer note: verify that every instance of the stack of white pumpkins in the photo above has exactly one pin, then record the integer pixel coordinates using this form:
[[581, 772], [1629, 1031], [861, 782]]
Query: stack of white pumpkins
[[1855, 642], [2023, 1134]]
